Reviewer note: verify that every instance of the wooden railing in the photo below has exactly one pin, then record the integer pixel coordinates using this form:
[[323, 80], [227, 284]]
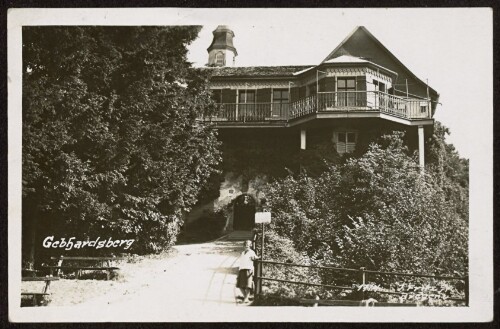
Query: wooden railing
[[355, 278], [324, 102], [369, 101], [248, 112]]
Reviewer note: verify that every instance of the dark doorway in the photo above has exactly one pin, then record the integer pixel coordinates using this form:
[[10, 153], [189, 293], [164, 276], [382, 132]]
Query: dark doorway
[[244, 213]]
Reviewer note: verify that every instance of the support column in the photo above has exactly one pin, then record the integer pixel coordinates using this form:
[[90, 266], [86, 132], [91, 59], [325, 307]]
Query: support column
[[421, 161], [302, 139]]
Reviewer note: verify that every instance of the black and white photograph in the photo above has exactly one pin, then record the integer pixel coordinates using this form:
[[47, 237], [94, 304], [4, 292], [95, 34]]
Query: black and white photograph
[[250, 165]]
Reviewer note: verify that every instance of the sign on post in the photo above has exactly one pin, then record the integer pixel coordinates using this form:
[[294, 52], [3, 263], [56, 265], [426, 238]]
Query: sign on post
[[262, 217]]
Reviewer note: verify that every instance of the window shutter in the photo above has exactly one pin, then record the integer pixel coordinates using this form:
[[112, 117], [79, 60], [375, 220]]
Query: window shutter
[[294, 94], [264, 95], [302, 92], [228, 96], [329, 84], [361, 86], [263, 99]]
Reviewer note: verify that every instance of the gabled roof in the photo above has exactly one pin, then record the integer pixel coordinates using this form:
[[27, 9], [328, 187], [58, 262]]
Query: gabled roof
[[348, 59], [340, 51], [257, 71]]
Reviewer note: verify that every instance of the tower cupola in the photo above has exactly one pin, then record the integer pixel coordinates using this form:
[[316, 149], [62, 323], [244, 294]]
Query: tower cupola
[[222, 52]]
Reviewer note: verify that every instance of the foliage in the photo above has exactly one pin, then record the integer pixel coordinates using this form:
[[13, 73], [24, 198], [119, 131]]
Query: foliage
[[111, 145], [281, 249], [416, 291], [377, 211], [450, 170]]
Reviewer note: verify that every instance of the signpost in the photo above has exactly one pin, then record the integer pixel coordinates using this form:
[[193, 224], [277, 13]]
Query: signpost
[[261, 218]]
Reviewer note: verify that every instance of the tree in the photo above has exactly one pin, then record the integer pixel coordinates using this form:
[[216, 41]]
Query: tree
[[450, 170], [111, 144], [377, 211]]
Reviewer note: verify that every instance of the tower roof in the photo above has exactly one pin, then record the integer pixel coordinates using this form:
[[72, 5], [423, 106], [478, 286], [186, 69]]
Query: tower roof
[[223, 39]]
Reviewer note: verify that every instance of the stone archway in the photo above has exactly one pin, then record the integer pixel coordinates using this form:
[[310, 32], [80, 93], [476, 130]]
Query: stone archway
[[244, 212]]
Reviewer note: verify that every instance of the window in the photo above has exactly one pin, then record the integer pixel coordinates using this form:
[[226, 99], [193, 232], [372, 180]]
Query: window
[[246, 105], [246, 96], [219, 59], [382, 99], [379, 86], [345, 141], [346, 91], [280, 102]]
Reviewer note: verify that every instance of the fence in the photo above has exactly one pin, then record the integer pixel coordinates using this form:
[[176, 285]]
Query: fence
[[359, 277]]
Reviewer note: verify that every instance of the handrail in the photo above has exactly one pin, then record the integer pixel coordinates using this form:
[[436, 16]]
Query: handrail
[[259, 278], [306, 283], [309, 266], [325, 102], [440, 277]]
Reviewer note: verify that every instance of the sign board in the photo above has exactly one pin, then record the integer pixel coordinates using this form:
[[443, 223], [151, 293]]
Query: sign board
[[262, 217]]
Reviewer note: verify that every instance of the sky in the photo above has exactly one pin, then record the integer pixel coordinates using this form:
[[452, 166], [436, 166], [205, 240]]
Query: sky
[[451, 48]]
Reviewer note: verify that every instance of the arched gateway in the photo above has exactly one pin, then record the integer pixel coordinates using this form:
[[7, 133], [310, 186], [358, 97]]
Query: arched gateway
[[244, 212]]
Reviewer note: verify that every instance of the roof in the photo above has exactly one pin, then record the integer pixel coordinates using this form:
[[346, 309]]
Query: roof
[[258, 71], [346, 59], [339, 51], [223, 39]]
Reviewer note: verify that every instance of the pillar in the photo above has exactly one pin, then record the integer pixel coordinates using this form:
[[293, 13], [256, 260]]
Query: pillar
[[421, 161], [302, 139]]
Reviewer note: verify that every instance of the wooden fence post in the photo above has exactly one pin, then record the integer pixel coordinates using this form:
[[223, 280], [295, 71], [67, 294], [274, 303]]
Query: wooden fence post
[[362, 279], [257, 281]]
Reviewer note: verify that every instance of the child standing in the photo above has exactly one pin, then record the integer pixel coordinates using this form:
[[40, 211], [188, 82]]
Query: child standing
[[245, 273]]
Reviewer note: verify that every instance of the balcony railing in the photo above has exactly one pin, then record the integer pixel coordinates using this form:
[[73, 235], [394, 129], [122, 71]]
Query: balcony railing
[[325, 102], [251, 112]]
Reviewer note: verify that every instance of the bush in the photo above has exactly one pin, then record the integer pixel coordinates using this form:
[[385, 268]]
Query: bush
[[378, 211]]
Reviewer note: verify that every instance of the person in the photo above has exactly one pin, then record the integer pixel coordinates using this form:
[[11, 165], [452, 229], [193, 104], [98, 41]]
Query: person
[[245, 272]]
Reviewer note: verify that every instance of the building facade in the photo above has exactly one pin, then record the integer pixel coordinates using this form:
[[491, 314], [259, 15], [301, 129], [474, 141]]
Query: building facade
[[360, 90]]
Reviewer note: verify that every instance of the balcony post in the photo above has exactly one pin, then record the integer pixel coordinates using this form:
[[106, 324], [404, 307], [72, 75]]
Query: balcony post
[[421, 161], [302, 139]]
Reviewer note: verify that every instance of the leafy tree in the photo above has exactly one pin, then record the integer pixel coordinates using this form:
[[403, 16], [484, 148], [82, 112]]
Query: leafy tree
[[111, 144], [377, 211], [450, 170]]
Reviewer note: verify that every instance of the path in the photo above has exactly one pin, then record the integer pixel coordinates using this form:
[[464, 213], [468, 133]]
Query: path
[[199, 275]]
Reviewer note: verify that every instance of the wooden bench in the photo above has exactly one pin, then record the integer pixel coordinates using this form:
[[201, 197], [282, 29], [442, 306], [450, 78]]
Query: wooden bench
[[45, 289], [29, 272], [104, 265]]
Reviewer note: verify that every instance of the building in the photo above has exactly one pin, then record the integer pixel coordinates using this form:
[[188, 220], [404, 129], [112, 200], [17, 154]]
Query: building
[[360, 90]]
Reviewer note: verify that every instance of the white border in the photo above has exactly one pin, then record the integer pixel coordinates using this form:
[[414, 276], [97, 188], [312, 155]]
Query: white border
[[481, 178]]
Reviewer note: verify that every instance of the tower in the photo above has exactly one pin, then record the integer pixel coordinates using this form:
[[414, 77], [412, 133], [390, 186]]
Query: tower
[[222, 52]]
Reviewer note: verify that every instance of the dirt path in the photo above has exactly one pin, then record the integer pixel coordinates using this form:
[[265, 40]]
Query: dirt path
[[198, 275]]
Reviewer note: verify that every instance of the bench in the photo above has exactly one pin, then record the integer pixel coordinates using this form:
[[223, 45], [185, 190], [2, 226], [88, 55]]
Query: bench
[[104, 265], [29, 272], [45, 289]]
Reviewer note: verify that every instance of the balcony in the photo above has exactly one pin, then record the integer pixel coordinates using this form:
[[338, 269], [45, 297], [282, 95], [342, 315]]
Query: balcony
[[360, 102]]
